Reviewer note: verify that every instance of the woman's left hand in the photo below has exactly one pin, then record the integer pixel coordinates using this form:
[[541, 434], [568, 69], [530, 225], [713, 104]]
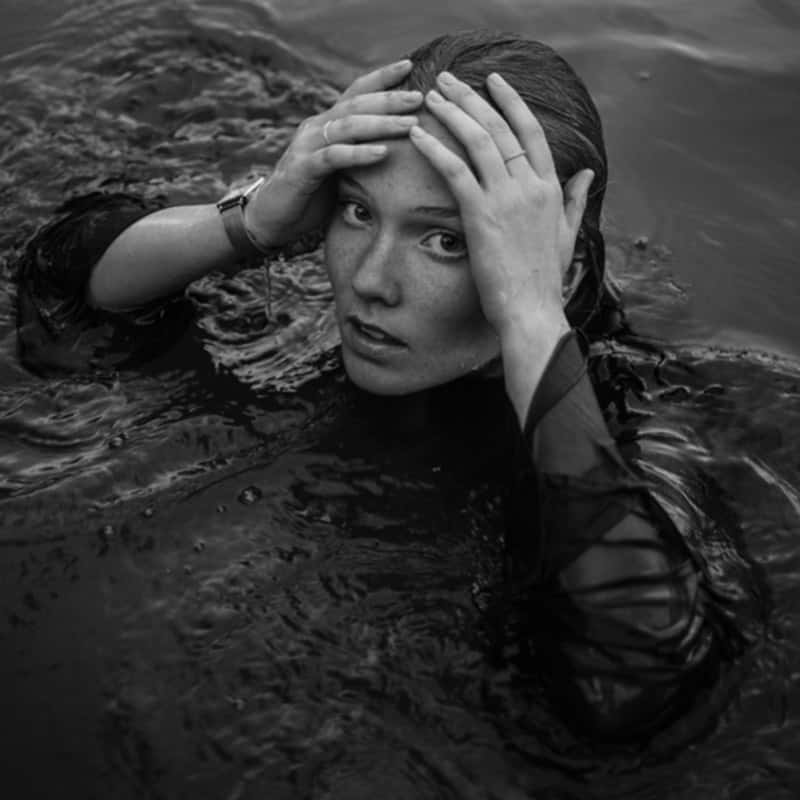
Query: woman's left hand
[[520, 227]]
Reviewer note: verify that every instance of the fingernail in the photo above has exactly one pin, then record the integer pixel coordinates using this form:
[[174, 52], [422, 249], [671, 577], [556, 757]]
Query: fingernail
[[417, 132], [434, 96], [447, 78], [398, 65], [412, 96]]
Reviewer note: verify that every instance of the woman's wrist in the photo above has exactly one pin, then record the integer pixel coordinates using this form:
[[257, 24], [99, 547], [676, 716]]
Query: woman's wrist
[[265, 240], [527, 344]]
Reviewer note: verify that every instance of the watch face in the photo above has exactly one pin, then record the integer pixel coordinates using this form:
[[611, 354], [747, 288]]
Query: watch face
[[238, 197]]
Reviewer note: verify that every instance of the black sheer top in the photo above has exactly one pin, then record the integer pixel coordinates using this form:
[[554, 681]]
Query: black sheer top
[[610, 570]]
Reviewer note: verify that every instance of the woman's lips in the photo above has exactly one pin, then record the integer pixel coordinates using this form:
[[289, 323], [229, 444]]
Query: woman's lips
[[371, 337]]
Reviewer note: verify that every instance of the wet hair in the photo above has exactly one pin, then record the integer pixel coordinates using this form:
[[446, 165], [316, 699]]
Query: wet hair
[[567, 113]]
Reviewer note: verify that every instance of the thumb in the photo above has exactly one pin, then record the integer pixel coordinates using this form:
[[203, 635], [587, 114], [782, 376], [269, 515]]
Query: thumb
[[576, 192]]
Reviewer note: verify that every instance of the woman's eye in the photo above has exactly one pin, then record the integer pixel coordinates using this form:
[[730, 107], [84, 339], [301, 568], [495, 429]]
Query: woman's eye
[[447, 245], [354, 213]]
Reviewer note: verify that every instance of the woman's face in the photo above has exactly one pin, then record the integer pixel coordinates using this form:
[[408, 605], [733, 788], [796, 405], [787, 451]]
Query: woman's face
[[407, 307]]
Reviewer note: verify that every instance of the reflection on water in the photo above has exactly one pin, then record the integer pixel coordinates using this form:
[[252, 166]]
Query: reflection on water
[[219, 579]]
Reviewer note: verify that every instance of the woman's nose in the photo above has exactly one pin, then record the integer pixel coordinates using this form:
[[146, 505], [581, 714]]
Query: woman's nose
[[376, 277]]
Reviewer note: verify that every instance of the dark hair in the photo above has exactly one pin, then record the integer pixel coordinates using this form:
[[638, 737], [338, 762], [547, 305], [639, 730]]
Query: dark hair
[[563, 106]]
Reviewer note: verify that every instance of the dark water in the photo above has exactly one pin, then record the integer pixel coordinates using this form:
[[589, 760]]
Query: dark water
[[215, 580]]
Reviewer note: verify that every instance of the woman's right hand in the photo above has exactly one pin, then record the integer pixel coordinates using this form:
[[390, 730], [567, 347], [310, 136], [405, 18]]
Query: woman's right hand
[[298, 198]]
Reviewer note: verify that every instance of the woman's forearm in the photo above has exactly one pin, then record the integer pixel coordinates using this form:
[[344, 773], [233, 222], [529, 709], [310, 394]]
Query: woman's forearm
[[565, 441], [158, 255]]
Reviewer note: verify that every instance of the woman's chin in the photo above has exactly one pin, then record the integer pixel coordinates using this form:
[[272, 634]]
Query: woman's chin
[[377, 378], [382, 378]]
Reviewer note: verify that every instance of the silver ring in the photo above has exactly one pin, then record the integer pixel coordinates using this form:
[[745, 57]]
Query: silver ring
[[325, 133], [515, 155]]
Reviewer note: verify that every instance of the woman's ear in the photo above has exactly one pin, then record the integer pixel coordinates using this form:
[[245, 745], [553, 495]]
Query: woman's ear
[[576, 191]]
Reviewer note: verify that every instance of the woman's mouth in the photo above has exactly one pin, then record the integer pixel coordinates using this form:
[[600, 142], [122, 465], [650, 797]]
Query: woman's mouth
[[370, 339]]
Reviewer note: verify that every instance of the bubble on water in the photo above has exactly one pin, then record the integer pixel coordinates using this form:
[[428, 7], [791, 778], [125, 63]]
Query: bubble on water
[[199, 546], [641, 243], [107, 531], [222, 508], [148, 512], [250, 495], [117, 441], [237, 702]]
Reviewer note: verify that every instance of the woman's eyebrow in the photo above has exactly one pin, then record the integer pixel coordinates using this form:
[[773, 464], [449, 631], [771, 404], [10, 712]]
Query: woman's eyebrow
[[443, 212], [345, 178]]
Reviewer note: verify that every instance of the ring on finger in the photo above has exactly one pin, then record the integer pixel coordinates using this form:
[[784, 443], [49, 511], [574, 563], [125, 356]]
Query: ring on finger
[[325, 133], [515, 155]]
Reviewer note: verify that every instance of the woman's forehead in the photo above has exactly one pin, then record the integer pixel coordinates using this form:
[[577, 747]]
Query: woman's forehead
[[405, 175]]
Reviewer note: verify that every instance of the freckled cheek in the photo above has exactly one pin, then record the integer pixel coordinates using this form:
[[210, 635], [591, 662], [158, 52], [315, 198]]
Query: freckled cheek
[[453, 310], [340, 260]]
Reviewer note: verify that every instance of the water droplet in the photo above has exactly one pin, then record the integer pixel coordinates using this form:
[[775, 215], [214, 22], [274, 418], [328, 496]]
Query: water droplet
[[117, 441], [148, 512], [250, 495]]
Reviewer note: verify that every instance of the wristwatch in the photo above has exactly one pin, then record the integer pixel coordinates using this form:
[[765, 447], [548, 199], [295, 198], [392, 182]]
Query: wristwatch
[[231, 209]]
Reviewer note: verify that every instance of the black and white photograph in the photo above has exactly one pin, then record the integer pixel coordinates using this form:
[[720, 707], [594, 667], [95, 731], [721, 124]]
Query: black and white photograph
[[398, 400]]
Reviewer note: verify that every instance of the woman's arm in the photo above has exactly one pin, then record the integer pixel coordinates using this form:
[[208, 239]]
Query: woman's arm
[[158, 255], [622, 607]]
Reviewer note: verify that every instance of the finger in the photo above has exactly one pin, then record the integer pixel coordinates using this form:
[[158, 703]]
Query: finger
[[477, 141], [323, 162], [392, 102], [524, 124], [477, 107], [379, 79], [457, 175], [363, 127]]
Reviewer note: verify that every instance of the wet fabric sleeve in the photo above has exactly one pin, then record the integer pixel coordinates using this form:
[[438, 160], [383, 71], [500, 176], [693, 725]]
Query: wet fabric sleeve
[[615, 602], [57, 331]]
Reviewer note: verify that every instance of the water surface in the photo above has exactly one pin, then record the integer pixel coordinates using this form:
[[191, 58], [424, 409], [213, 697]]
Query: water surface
[[215, 580]]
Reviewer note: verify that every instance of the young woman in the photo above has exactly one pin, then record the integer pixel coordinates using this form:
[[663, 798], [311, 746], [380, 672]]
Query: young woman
[[460, 194]]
